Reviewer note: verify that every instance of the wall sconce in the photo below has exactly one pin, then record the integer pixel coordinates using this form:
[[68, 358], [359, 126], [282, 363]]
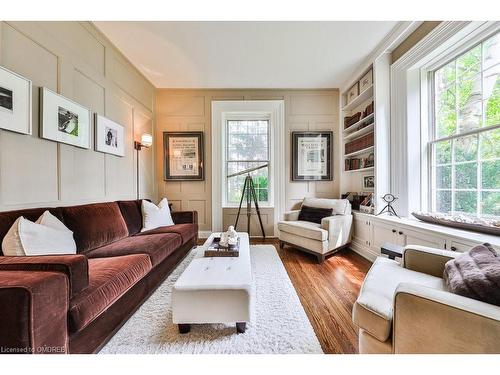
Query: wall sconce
[[146, 142]]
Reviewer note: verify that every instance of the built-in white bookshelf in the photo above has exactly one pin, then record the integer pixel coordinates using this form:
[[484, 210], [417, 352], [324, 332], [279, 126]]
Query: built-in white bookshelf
[[374, 91]]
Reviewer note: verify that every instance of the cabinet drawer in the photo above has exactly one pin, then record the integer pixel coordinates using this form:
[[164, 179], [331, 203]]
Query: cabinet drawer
[[411, 237], [461, 246]]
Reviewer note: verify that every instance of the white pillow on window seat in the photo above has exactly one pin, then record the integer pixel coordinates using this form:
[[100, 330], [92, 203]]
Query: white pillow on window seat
[[47, 236], [154, 216]]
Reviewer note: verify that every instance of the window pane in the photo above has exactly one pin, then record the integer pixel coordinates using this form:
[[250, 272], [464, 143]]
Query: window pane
[[443, 152], [469, 103], [491, 95], [446, 117], [466, 148], [490, 203], [469, 64], [443, 201], [466, 176], [490, 144], [445, 76], [491, 51], [490, 174], [443, 177], [466, 201]]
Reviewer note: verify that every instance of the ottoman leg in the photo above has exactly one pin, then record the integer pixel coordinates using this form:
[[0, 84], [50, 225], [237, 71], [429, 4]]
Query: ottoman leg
[[241, 327], [184, 328]]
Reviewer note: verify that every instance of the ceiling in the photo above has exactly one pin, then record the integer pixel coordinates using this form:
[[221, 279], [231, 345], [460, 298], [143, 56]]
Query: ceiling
[[246, 54]]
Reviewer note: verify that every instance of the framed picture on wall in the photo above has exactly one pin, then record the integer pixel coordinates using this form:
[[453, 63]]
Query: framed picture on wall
[[183, 156], [312, 153], [63, 120], [15, 102], [109, 136]]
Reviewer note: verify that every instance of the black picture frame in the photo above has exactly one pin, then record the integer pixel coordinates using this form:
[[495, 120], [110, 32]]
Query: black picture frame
[[173, 175], [328, 151]]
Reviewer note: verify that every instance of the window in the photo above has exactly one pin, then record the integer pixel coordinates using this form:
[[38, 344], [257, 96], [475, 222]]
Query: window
[[247, 146], [465, 144]]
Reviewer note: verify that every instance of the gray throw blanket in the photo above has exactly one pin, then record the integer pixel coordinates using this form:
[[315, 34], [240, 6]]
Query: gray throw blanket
[[475, 274]]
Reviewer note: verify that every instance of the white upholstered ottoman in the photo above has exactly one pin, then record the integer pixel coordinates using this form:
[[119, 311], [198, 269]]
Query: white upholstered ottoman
[[214, 290]]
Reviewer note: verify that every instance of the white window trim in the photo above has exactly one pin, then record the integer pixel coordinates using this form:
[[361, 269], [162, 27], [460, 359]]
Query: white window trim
[[275, 110], [409, 109]]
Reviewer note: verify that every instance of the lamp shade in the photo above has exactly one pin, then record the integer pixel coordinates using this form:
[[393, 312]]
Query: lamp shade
[[146, 140]]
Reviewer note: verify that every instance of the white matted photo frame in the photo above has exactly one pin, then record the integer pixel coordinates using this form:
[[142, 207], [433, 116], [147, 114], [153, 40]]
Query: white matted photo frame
[[368, 182], [109, 136], [312, 156], [63, 120], [15, 102]]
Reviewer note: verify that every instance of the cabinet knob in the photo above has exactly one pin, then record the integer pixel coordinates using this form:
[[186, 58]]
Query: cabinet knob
[[400, 232], [453, 248], [394, 231]]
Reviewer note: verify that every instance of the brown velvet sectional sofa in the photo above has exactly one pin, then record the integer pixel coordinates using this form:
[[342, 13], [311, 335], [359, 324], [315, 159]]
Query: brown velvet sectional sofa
[[75, 303]]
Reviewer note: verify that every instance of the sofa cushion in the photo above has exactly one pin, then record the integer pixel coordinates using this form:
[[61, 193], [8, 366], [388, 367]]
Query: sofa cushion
[[339, 206], [95, 225], [157, 246], [131, 212], [9, 217], [304, 229], [314, 214], [373, 309], [109, 279], [186, 231]]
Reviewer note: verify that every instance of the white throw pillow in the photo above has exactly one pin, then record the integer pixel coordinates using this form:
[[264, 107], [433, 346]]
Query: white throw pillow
[[155, 216], [47, 236]]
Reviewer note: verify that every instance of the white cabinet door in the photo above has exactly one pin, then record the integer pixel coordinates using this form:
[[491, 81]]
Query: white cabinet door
[[382, 233], [362, 230], [461, 246], [410, 237]]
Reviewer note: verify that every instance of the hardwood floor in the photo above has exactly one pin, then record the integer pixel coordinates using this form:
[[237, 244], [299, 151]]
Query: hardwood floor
[[327, 292]]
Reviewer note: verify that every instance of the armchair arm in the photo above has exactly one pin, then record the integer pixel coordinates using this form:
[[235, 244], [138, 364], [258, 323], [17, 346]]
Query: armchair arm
[[426, 259], [339, 230], [75, 267], [292, 215], [429, 320], [185, 217], [33, 318]]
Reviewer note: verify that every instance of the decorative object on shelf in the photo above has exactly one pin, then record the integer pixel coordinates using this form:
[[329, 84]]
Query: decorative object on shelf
[[312, 153], [461, 221], [389, 199], [368, 182], [109, 136], [366, 81], [370, 161], [368, 110], [63, 120], [357, 199], [353, 92], [366, 206], [358, 144], [184, 154], [351, 120], [15, 102], [146, 142], [248, 191]]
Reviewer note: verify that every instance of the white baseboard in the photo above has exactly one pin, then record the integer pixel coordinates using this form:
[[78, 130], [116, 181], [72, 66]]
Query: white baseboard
[[363, 251]]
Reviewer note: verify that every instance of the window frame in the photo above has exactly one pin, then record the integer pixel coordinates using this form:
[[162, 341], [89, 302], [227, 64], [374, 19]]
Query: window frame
[[247, 117], [431, 139]]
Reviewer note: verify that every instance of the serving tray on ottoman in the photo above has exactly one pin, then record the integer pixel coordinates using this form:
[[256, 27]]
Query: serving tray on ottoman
[[215, 249], [214, 289]]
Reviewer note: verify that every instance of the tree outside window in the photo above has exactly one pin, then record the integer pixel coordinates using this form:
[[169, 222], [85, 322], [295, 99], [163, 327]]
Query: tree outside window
[[247, 147], [466, 139]]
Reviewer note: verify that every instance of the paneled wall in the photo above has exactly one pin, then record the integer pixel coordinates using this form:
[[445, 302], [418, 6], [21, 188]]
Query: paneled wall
[[77, 61], [191, 110]]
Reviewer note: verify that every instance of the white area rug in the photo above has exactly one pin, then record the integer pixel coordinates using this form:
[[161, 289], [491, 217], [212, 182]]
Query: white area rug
[[279, 323]]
